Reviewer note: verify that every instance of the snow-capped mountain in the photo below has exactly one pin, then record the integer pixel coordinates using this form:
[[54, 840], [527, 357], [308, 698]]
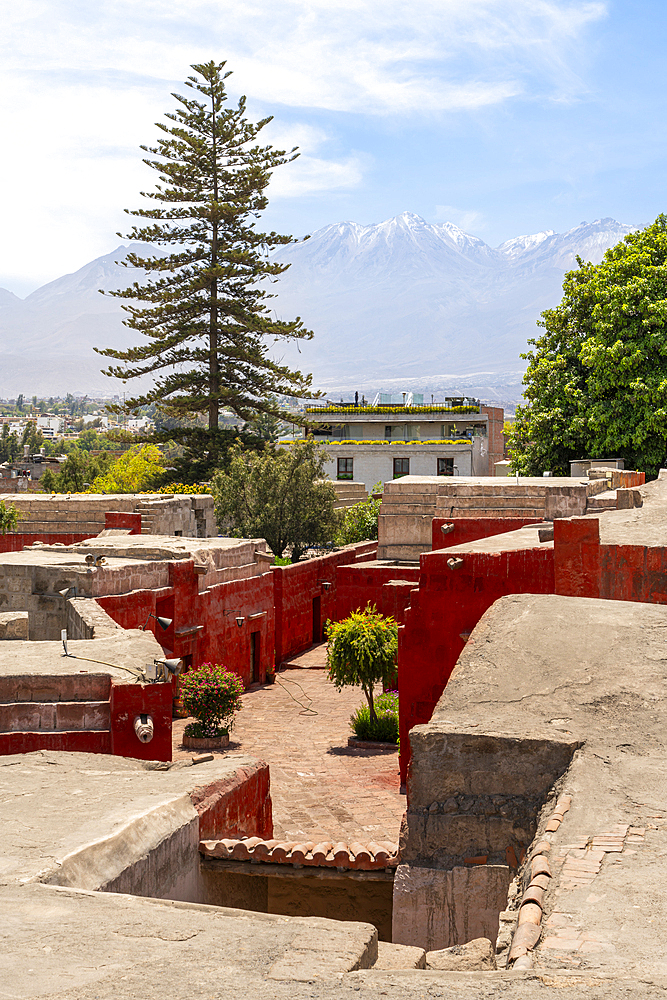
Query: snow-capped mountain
[[403, 301]]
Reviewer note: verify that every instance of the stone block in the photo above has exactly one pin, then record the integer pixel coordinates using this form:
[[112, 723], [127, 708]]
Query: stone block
[[14, 625], [399, 956], [436, 908], [474, 956]]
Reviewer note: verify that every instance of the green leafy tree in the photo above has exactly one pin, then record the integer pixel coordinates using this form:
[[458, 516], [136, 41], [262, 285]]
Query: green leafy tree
[[10, 446], [136, 470], [9, 517], [360, 522], [77, 472], [361, 652], [279, 494], [205, 318], [596, 384]]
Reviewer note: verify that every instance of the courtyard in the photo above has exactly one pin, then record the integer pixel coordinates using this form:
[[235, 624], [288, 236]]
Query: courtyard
[[321, 788]]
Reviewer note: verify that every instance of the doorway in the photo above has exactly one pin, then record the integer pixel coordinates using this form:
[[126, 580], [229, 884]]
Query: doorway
[[254, 656], [317, 620]]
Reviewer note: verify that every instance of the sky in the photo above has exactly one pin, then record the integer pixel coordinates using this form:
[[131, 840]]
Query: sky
[[503, 116]]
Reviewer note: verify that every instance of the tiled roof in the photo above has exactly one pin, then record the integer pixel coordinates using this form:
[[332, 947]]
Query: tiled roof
[[359, 857]]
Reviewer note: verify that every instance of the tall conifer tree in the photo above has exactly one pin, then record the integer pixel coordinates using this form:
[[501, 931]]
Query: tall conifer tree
[[204, 316]]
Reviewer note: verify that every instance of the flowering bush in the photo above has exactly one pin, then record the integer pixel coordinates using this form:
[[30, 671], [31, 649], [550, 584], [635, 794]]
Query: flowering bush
[[435, 408], [212, 694], [184, 488]]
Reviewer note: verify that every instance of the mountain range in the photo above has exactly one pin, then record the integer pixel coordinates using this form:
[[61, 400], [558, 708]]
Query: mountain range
[[404, 304]]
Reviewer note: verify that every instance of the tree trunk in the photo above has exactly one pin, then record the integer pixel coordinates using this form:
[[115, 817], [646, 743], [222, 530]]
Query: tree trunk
[[213, 364], [371, 705]]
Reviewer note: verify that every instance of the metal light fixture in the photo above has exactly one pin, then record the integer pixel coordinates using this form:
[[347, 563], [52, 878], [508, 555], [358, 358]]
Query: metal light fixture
[[92, 560], [164, 623], [239, 617], [172, 666], [68, 592], [325, 584]]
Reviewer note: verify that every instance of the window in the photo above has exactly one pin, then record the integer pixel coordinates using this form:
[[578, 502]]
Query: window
[[401, 467], [345, 468], [387, 432], [445, 466]]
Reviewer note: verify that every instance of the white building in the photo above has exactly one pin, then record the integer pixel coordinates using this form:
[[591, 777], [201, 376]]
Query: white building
[[51, 426], [384, 441]]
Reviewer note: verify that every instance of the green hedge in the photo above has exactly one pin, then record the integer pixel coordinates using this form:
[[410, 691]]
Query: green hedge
[[392, 409]]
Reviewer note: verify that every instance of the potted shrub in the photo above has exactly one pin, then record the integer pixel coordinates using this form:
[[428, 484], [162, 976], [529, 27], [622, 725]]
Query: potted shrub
[[212, 694]]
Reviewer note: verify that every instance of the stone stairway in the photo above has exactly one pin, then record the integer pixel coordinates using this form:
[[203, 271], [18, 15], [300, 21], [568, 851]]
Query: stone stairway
[[145, 508], [62, 712]]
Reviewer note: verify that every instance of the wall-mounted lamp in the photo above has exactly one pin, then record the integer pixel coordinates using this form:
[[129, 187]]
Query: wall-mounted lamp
[[173, 666], [239, 617], [68, 592], [325, 584], [164, 623], [95, 560]]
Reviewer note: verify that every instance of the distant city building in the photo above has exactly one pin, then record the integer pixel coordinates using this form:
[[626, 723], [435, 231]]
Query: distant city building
[[399, 435]]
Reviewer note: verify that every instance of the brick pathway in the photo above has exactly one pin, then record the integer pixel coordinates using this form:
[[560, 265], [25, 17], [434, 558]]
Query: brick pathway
[[321, 789]]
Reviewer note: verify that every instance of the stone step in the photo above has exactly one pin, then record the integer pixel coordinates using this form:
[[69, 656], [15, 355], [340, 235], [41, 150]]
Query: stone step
[[59, 716], [37, 688]]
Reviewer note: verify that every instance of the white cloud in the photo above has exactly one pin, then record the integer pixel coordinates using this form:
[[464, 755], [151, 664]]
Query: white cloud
[[81, 85], [466, 219]]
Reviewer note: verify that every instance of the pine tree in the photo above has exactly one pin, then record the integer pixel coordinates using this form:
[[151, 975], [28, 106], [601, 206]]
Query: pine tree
[[205, 314]]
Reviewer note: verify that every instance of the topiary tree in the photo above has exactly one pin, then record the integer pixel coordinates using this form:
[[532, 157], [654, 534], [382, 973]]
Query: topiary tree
[[212, 694], [362, 651]]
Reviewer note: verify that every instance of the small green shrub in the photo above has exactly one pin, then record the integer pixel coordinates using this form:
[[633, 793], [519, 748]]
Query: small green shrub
[[382, 730], [360, 522], [212, 694], [9, 517]]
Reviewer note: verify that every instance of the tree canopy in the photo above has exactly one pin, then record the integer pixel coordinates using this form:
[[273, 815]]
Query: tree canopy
[[596, 384], [205, 316], [362, 651], [279, 494]]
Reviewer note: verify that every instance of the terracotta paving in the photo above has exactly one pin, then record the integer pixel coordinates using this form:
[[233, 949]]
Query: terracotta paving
[[321, 788]]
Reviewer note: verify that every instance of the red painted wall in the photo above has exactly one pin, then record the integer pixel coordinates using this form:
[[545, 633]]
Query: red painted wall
[[585, 568], [130, 700], [123, 519], [470, 529], [294, 589], [236, 806], [219, 640], [15, 540], [79, 741], [447, 604], [358, 585]]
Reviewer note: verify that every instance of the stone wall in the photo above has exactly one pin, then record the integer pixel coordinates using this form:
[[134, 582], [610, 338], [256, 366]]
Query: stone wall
[[84, 515], [85, 619]]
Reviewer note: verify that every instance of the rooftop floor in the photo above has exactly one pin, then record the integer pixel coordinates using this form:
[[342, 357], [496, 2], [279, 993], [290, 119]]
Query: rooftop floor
[[586, 678]]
